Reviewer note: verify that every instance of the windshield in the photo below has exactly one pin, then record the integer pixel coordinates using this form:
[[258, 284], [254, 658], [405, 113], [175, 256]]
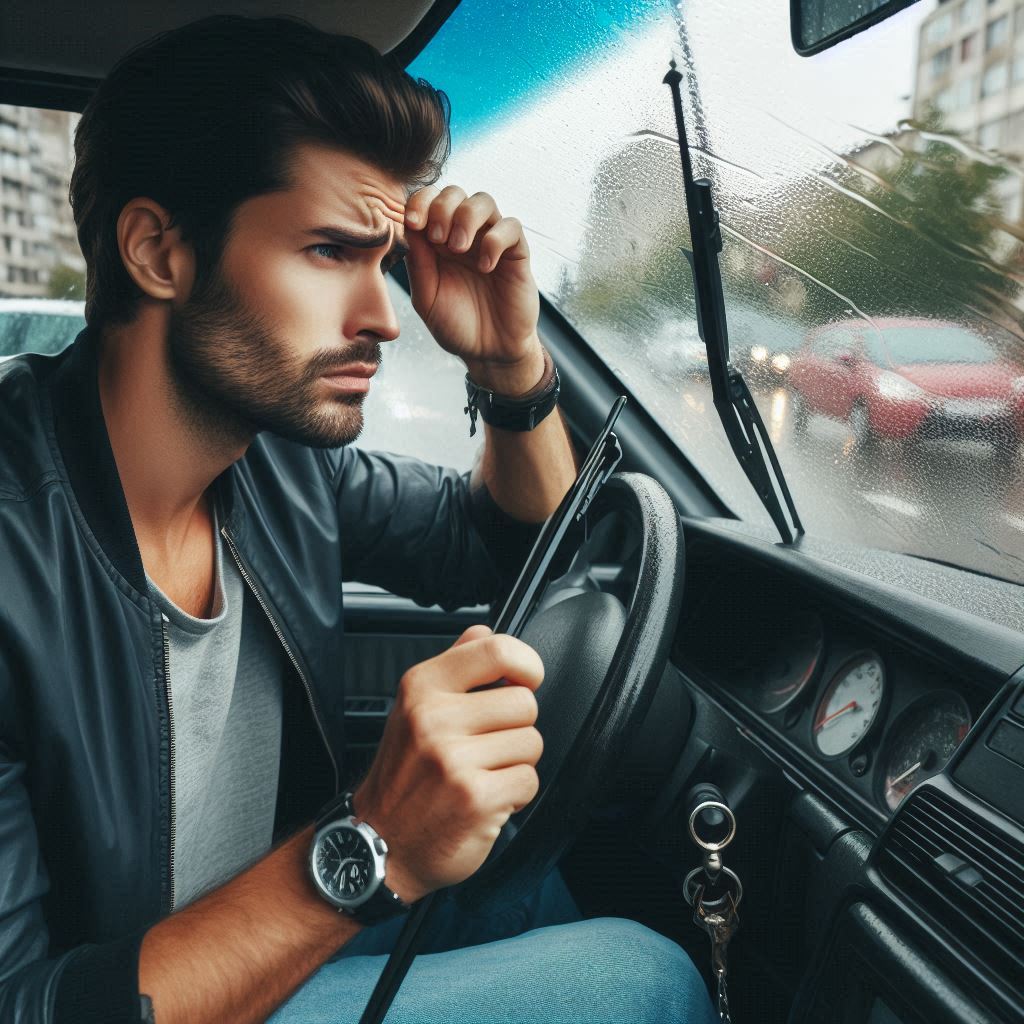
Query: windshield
[[908, 345], [876, 185]]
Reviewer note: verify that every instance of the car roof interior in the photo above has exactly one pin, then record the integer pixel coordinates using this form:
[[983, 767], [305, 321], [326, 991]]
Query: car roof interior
[[54, 53]]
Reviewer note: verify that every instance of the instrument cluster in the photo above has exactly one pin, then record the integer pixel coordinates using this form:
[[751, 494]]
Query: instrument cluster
[[870, 712]]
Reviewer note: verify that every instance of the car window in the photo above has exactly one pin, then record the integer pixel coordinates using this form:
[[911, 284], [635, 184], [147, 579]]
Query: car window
[[415, 406], [832, 344], [877, 183]]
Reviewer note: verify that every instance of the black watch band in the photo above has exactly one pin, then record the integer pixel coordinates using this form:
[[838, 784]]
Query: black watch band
[[518, 414], [339, 807]]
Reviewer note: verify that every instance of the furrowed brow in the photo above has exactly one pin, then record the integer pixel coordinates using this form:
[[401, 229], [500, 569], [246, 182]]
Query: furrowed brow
[[360, 240]]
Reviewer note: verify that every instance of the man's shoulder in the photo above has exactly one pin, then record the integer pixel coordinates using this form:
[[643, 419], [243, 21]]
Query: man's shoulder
[[26, 460]]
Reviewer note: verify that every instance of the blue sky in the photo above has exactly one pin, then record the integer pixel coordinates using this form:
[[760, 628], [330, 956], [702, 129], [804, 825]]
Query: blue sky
[[470, 60]]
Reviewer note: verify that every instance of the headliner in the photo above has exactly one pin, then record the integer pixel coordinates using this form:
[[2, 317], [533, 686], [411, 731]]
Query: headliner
[[54, 51]]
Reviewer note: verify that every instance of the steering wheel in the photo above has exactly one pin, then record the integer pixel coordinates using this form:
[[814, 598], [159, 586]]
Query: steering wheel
[[603, 662]]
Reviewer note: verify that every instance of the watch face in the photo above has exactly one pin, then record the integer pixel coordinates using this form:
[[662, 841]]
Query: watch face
[[344, 864]]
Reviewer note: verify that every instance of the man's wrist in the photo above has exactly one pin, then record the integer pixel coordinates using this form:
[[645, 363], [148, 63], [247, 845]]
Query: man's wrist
[[397, 880], [511, 380]]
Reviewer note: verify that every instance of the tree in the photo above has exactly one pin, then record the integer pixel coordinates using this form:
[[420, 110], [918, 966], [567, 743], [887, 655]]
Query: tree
[[66, 283]]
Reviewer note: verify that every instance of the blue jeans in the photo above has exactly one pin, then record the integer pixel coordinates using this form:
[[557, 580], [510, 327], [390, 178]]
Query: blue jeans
[[536, 962]]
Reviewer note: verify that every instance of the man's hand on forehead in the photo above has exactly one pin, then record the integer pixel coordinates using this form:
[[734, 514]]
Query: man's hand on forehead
[[469, 272]]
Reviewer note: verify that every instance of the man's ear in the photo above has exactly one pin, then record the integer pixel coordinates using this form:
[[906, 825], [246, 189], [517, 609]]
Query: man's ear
[[154, 255]]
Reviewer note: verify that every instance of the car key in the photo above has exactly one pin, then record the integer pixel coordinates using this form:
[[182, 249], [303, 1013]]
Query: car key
[[720, 924]]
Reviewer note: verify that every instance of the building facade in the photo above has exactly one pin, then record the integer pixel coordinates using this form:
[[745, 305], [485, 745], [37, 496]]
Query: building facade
[[970, 67], [37, 230]]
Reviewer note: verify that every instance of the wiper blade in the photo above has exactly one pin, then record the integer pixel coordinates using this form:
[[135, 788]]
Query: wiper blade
[[739, 415]]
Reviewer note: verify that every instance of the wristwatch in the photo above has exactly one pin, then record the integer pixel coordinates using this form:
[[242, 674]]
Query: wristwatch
[[347, 861]]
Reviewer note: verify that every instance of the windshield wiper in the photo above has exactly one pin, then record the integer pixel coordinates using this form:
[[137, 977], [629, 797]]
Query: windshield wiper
[[739, 415]]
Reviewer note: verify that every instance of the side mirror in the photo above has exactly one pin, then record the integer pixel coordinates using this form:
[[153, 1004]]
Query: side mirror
[[815, 25]]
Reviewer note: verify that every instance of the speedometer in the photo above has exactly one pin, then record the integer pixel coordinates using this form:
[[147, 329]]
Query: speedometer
[[922, 743], [849, 706], [793, 663]]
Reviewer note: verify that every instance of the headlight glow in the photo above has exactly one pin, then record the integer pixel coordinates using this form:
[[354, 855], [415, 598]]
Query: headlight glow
[[781, 362], [759, 353]]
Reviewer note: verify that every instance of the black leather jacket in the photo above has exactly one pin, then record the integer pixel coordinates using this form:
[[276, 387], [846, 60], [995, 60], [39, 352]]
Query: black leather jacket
[[87, 811]]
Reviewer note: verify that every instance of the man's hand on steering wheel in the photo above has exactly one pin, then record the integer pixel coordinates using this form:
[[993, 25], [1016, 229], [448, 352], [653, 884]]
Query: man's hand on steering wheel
[[453, 765]]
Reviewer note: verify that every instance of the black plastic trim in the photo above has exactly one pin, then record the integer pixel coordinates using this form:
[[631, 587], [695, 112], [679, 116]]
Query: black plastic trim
[[384, 613], [416, 41], [48, 90]]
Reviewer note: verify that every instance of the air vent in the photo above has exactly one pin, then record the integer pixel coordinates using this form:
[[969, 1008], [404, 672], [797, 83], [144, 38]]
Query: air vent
[[966, 876]]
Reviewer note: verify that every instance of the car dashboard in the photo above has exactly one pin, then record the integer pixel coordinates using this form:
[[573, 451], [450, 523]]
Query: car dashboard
[[884, 734], [855, 713]]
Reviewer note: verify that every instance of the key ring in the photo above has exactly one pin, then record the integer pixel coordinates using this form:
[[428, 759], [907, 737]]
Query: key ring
[[690, 888]]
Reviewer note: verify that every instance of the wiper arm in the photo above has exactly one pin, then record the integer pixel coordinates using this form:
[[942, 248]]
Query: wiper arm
[[739, 415]]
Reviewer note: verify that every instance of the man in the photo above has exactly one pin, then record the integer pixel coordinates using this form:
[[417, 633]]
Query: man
[[178, 509]]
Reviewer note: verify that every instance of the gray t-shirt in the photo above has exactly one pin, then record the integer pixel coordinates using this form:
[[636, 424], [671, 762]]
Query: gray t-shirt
[[226, 676]]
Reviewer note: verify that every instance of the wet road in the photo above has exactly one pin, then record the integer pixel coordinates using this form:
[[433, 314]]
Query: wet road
[[955, 501]]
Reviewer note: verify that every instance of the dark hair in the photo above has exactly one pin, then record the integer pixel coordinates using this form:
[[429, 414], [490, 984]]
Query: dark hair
[[201, 118]]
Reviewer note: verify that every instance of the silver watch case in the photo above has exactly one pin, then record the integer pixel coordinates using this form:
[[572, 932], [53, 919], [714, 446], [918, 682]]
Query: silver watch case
[[378, 852]]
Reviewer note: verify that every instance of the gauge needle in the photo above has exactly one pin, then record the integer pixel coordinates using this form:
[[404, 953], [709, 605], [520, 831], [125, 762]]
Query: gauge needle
[[893, 783], [829, 719]]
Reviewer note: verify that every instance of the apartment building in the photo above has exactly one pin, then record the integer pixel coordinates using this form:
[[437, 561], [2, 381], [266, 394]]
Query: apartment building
[[970, 66], [37, 231]]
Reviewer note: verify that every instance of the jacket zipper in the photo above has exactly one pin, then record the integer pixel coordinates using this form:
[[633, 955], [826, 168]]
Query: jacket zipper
[[287, 650], [170, 727]]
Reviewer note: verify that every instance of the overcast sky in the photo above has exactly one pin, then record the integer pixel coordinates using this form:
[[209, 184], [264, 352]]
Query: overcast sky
[[535, 145]]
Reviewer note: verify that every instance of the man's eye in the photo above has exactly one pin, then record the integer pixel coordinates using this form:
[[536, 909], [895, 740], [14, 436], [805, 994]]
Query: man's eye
[[327, 251]]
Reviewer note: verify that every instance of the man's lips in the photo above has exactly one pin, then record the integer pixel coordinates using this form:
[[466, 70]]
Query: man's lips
[[351, 377]]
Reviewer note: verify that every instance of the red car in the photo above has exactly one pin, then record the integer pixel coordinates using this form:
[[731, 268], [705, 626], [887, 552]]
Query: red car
[[908, 379]]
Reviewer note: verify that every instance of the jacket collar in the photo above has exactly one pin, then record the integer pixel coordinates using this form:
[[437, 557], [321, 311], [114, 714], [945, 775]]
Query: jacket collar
[[84, 444]]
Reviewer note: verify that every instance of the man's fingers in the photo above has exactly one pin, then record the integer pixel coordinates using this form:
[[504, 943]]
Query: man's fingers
[[418, 204], [514, 787], [496, 750], [442, 209], [505, 238], [473, 633], [506, 707], [475, 213], [479, 661]]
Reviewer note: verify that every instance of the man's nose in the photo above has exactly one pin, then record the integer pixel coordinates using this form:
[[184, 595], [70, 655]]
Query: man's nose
[[373, 312]]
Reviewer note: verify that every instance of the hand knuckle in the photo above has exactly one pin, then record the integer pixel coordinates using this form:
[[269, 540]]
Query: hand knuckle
[[464, 795], [531, 783], [525, 704], [538, 744]]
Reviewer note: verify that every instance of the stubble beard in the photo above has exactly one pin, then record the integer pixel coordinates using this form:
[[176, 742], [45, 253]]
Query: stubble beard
[[233, 377]]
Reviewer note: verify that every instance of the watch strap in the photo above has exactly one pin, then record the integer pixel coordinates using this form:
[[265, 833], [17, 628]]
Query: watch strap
[[339, 807], [516, 414]]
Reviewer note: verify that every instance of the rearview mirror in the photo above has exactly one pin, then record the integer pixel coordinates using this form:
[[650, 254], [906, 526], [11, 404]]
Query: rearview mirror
[[816, 25]]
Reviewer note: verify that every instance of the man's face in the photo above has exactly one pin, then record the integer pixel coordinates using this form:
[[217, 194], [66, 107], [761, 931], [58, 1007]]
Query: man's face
[[285, 335]]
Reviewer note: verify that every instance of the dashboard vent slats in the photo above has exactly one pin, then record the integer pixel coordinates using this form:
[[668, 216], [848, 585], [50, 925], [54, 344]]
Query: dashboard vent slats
[[964, 875]]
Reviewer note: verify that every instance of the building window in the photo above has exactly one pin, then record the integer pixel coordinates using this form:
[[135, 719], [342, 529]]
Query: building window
[[990, 136], [938, 29], [997, 32], [967, 12], [942, 62], [968, 47], [994, 80]]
